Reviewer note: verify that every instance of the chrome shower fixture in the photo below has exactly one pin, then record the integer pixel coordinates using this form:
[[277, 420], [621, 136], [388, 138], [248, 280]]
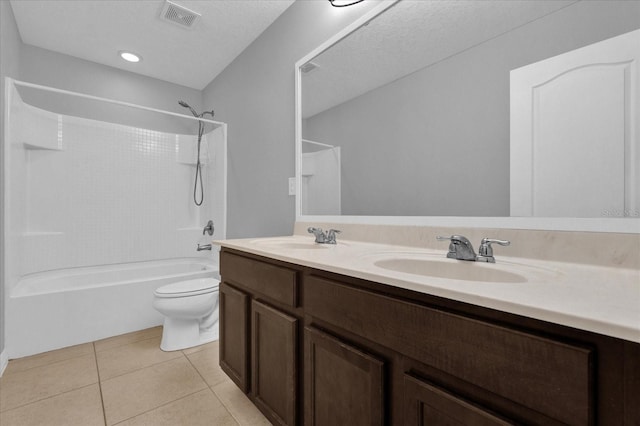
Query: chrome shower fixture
[[193, 111], [196, 200]]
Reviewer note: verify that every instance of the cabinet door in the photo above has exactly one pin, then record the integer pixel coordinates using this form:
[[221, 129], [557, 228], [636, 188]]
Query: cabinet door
[[274, 363], [426, 405], [234, 313], [343, 386]]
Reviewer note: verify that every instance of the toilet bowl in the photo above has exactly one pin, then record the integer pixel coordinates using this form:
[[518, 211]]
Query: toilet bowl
[[191, 313]]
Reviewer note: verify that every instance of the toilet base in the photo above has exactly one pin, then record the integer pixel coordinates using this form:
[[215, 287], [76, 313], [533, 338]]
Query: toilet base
[[178, 333]]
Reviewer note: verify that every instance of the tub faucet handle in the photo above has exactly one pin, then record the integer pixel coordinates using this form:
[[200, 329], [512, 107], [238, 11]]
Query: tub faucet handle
[[208, 229]]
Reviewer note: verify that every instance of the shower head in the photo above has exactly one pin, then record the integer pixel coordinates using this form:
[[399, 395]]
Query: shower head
[[186, 105]]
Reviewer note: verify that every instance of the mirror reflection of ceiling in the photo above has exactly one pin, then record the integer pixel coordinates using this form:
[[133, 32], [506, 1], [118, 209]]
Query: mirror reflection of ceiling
[[437, 29]]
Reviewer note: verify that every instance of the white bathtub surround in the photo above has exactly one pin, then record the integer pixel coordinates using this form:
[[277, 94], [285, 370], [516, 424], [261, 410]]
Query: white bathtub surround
[[52, 310], [588, 281], [82, 193]]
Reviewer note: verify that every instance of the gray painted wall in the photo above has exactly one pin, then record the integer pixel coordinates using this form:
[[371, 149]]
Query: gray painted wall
[[437, 141], [66, 72], [255, 96], [9, 53]]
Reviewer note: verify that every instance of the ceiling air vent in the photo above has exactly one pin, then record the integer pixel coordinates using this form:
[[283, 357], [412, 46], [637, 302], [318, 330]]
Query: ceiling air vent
[[179, 15]]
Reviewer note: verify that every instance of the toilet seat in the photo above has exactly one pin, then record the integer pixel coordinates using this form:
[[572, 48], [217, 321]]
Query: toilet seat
[[188, 288]]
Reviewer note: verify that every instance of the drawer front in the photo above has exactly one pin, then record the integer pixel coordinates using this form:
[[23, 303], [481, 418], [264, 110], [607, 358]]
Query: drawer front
[[548, 376], [426, 404], [272, 281]]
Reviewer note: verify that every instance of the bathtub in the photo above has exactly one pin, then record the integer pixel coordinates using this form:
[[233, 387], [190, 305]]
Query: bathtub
[[54, 309]]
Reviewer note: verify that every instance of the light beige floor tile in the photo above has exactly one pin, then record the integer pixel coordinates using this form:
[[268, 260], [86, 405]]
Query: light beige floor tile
[[239, 405], [207, 364], [78, 407], [45, 381], [133, 356], [200, 348], [21, 364], [199, 409], [135, 393], [125, 339]]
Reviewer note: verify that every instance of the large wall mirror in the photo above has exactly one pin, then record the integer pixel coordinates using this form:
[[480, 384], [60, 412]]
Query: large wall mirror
[[499, 113]]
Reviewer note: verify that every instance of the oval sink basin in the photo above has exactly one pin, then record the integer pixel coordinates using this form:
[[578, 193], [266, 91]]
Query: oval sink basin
[[451, 269]]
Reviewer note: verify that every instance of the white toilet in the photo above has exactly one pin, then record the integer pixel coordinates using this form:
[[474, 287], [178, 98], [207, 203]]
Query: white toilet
[[191, 313]]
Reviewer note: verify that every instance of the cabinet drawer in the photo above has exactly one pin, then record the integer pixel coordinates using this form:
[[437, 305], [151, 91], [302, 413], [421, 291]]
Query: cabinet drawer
[[272, 281], [548, 376]]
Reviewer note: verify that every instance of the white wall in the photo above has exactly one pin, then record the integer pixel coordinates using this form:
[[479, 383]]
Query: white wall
[[254, 95]]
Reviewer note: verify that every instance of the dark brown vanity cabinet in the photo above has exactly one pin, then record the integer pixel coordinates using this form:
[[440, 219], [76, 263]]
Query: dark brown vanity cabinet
[[259, 334], [317, 348]]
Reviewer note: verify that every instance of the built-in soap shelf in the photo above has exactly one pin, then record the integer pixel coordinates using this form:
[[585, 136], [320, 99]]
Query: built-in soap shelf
[[42, 147]]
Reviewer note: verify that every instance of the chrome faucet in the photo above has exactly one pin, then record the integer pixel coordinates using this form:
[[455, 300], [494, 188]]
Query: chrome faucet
[[323, 237], [203, 247], [459, 248]]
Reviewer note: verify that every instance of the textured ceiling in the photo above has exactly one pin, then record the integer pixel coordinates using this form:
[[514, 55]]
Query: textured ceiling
[[96, 30], [409, 36]]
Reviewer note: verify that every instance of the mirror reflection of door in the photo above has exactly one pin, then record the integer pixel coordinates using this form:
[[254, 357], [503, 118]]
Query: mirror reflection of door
[[575, 132]]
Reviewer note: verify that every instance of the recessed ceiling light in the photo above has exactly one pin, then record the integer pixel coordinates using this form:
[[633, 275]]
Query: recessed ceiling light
[[129, 57]]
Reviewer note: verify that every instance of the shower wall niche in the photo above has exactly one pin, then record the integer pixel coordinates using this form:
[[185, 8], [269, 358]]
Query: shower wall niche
[[83, 192]]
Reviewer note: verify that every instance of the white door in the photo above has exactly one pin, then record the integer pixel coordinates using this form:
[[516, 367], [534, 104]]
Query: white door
[[574, 132]]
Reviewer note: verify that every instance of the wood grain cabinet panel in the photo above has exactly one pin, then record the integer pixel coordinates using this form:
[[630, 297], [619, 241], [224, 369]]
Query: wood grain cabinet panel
[[549, 376], [234, 317], [274, 282], [428, 405], [343, 386], [274, 362]]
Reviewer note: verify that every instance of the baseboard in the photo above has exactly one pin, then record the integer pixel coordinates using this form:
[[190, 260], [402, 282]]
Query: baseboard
[[4, 360]]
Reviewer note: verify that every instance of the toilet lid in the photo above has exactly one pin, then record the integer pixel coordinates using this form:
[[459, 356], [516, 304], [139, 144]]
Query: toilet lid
[[188, 288]]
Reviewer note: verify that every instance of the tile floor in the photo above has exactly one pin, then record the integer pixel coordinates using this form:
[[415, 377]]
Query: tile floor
[[123, 380]]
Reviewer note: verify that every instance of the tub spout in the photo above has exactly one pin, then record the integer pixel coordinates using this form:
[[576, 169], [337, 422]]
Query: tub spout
[[204, 247]]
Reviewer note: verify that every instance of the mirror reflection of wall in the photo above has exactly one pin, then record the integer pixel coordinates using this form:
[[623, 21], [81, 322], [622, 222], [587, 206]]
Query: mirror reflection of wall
[[436, 142]]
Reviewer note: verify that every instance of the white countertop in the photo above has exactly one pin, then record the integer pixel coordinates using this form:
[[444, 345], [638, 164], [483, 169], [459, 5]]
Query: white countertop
[[599, 299]]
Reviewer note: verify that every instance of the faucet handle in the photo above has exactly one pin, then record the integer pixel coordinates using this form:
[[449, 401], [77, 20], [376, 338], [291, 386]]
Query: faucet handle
[[331, 235], [452, 248], [489, 241], [485, 252]]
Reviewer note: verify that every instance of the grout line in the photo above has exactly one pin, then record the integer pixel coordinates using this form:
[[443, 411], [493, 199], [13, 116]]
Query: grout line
[[159, 406], [210, 387], [10, 372], [127, 343], [45, 398], [95, 356], [141, 368]]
